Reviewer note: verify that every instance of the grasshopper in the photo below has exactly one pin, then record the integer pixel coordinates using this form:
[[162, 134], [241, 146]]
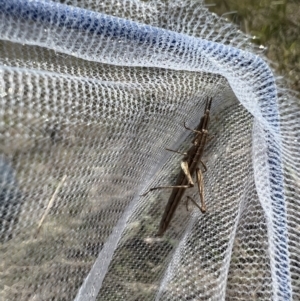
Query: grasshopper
[[189, 166]]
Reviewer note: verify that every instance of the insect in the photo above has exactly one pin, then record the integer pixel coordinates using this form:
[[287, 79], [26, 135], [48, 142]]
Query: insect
[[189, 166]]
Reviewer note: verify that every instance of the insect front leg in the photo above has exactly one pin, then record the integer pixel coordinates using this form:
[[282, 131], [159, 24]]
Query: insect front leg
[[200, 185], [194, 131], [203, 164], [185, 169], [174, 151], [193, 201]]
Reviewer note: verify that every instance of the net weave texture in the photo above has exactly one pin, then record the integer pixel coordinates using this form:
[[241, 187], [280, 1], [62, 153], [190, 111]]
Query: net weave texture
[[91, 94]]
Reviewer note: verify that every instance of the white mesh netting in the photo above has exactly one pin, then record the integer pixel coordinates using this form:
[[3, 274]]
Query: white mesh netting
[[92, 92]]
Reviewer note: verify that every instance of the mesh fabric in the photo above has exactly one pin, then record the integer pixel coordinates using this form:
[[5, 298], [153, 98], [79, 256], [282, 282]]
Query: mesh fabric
[[91, 94]]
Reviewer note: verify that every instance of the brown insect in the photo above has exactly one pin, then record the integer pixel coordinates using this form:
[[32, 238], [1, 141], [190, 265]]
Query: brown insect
[[189, 166]]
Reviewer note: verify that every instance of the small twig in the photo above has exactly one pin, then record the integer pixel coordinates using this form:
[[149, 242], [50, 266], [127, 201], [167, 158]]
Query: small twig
[[51, 201]]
